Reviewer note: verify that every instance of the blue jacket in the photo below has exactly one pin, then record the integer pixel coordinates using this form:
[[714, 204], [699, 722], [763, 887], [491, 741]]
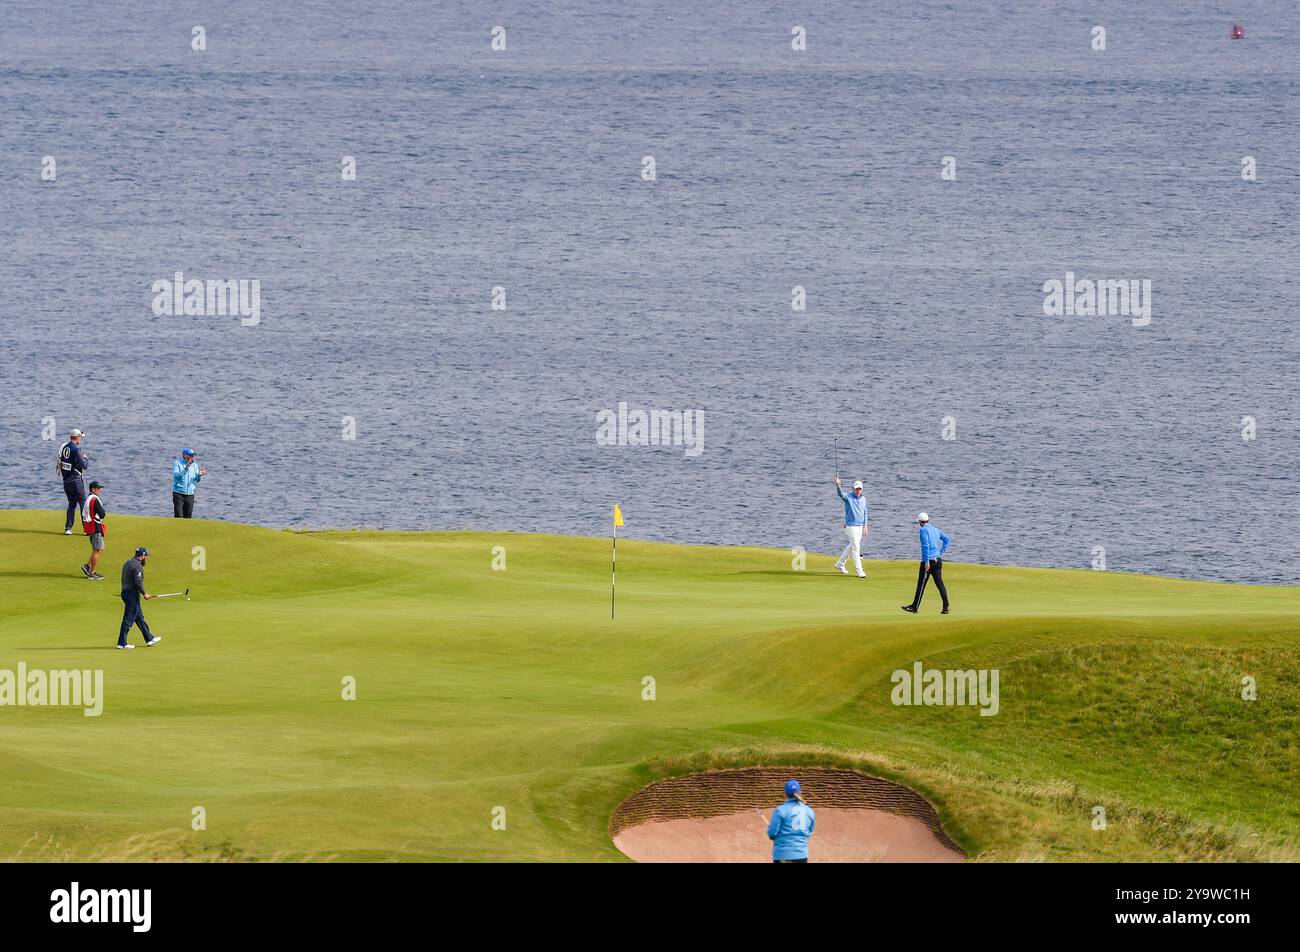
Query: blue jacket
[[934, 542], [185, 478], [792, 824], [855, 508]]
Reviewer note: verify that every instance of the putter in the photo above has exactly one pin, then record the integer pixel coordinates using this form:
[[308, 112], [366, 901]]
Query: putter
[[186, 593]]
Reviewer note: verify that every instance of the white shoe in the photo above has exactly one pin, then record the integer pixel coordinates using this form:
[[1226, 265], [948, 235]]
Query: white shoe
[[67, 532], [125, 647], [153, 641], [842, 568], [862, 575]]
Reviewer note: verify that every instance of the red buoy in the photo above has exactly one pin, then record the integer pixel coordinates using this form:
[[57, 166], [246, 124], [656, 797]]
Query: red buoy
[[1237, 32]]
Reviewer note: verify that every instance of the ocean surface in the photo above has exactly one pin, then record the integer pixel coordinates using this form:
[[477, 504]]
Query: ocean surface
[[775, 168]]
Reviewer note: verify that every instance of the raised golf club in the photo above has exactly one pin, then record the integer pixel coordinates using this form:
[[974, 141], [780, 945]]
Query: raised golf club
[[186, 593]]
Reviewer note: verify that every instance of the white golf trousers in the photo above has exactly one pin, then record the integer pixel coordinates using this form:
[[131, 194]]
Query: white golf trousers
[[854, 548]]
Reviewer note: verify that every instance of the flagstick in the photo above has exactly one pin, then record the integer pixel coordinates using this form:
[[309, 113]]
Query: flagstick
[[613, 573]]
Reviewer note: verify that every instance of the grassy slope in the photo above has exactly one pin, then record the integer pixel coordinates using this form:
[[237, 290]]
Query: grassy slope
[[480, 688]]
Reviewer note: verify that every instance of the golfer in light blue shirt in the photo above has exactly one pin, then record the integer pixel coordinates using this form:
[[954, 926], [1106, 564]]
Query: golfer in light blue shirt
[[855, 526], [934, 545]]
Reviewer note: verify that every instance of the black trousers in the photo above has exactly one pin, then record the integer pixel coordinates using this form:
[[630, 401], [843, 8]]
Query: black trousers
[[936, 572], [132, 614], [75, 490], [183, 505]]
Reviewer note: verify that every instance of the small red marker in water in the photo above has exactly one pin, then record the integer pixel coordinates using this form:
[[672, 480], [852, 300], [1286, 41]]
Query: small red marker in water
[[1237, 32]]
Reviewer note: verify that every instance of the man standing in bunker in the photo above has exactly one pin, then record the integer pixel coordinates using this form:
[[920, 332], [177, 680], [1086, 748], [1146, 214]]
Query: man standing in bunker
[[791, 827]]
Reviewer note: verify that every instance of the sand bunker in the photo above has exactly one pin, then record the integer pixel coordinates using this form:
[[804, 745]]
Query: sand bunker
[[721, 817]]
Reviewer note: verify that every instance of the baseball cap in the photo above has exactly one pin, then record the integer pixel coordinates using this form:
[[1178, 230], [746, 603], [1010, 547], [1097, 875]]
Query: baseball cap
[[96, 484], [74, 434], [857, 484], [791, 787], [187, 452], [142, 551], [922, 517]]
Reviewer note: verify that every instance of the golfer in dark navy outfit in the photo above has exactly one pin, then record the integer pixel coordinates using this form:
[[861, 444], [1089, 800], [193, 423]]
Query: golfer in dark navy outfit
[[132, 592], [71, 464]]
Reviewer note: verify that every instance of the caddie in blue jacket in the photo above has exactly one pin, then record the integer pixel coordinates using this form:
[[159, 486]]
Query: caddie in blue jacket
[[791, 827], [934, 543]]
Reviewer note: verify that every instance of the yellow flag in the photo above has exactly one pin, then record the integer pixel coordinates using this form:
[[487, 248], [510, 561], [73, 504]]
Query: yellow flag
[[618, 516]]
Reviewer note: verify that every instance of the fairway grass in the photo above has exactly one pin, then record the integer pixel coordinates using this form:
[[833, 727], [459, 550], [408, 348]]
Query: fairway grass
[[483, 694]]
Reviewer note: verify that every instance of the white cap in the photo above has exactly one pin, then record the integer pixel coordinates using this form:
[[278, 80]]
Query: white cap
[[857, 484], [922, 517], [75, 433]]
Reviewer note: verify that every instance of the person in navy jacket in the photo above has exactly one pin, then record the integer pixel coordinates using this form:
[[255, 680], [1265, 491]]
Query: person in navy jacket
[[71, 464], [133, 593]]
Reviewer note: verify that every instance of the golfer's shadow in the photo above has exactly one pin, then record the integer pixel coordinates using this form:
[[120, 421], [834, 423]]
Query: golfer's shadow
[[70, 648], [70, 577], [33, 531], [789, 572]]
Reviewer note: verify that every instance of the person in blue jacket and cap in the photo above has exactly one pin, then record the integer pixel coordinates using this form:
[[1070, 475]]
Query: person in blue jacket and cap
[[186, 475], [934, 545], [791, 827]]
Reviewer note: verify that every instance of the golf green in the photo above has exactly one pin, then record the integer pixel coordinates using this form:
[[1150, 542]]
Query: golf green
[[501, 714]]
